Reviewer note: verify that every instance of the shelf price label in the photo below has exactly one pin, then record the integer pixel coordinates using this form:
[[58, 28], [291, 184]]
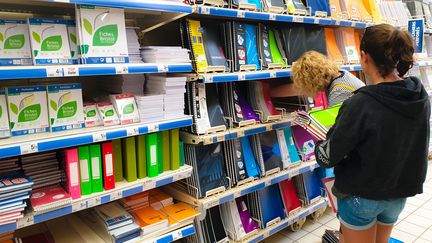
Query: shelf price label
[[272, 16], [149, 184], [78, 206], [28, 148], [205, 10], [298, 19], [99, 137], [54, 72], [116, 195], [70, 71], [162, 68], [132, 131], [317, 20], [212, 203], [153, 128], [242, 76], [122, 69], [177, 235], [24, 222], [240, 14], [93, 202]]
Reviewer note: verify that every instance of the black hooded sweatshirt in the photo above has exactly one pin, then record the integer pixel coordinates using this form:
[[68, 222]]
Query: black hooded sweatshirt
[[379, 143]]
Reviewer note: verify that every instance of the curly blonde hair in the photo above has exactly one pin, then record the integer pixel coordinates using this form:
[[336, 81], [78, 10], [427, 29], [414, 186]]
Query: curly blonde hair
[[312, 73]]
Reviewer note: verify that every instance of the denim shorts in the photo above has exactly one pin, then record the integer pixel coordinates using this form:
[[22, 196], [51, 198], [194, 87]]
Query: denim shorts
[[358, 213]]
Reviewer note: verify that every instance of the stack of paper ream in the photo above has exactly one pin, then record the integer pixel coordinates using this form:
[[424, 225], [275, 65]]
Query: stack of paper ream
[[150, 107], [43, 169], [173, 89], [9, 165], [120, 84], [165, 54], [133, 46]]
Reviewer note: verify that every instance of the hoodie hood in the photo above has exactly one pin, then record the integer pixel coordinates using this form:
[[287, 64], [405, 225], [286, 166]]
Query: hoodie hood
[[406, 97]]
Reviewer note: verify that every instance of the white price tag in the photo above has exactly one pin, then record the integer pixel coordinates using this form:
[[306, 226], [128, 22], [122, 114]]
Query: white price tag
[[54, 72], [99, 137], [28, 148], [122, 69], [240, 133], [205, 10], [70, 71], [177, 235], [132, 131], [221, 138], [212, 203], [237, 194], [316, 20], [272, 74], [353, 24], [77, 206], [240, 14], [24, 222], [178, 177], [242, 76], [298, 19], [272, 16], [149, 184], [153, 128], [116, 195], [268, 183], [93, 202], [162, 68]]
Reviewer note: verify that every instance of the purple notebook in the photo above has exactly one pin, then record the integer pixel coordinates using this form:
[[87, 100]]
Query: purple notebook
[[249, 224], [304, 141], [248, 113]]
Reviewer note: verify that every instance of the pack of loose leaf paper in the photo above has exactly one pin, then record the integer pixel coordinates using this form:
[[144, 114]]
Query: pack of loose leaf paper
[[14, 43], [65, 107], [102, 34], [49, 41]]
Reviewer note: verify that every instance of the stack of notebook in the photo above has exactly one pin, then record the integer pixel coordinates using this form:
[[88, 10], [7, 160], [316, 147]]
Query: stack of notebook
[[165, 54], [259, 98], [395, 12], [49, 198], [9, 165], [304, 142], [209, 169], [15, 190], [266, 205], [202, 102], [317, 122], [173, 89], [133, 45], [43, 168], [211, 229], [237, 219], [308, 187], [118, 222], [150, 107]]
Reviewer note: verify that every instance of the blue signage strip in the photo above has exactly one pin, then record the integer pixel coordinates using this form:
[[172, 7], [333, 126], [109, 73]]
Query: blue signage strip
[[416, 29]]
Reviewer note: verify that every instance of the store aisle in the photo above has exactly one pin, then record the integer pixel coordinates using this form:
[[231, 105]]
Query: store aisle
[[414, 225]]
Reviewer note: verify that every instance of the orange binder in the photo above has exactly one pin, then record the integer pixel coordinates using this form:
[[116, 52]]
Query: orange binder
[[332, 47], [150, 220]]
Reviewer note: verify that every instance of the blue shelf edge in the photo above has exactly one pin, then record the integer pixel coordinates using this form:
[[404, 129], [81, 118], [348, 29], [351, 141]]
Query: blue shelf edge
[[142, 4], [88, 137]]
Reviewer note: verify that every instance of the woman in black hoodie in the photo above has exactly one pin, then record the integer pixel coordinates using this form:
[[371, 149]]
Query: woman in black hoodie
[[379, 143]]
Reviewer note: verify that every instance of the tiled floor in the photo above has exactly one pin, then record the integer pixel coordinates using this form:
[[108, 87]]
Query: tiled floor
[[414, 225]]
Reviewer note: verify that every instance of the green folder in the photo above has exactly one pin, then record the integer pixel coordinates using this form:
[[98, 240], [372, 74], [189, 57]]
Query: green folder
[[326, 118], [85, 170], [129, 159], [118, 160], [182, 155], [141, 156], [175, 149], [96, 168], [152, 154], [166, 156], [159, 153], [274, 50]]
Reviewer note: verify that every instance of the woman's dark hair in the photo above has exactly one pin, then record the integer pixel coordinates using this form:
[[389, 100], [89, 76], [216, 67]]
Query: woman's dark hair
[[389, 48]]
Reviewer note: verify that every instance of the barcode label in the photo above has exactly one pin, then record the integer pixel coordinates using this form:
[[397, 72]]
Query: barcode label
[[24, 222], [162, 68], [99, 137], [153, 128], [298, 19], [119, 60], [272, 16], [133, 131], [54, 72], [122, 69], [70, 71], [205, 10], [316, 21], [77, 206], [240, 14]]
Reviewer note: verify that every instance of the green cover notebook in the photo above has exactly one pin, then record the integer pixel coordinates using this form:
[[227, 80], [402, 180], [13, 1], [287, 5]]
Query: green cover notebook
[[326, 118], [159, 153], [175, 149], [274, 50], [182, 155], [141, 156], [85, 170], [118, 159], [152, 154], [129, 159], [166, 156], [96, 167]]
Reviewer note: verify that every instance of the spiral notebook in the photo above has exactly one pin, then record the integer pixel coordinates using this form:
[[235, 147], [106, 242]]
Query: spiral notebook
[[49, 198]]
